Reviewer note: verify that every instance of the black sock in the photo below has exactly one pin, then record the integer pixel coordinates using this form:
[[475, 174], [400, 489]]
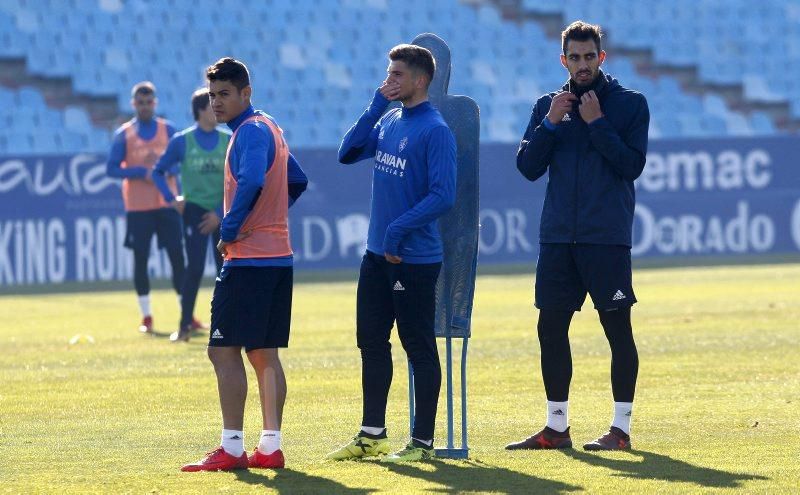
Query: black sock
[[379, 436], [418, 444]]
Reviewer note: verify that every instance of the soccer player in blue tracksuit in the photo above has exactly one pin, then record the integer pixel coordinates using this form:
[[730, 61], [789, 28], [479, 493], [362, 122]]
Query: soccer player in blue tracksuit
[[592, 137], [413, 153], [200, 152]]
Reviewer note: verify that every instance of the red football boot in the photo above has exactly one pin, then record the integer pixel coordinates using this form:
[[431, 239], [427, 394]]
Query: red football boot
[[546, 439], [217, 460], [147, 324], [198, 325], [274, 460]]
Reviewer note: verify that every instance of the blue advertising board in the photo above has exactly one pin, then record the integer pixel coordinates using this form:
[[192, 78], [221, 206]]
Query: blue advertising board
[[61, 218]]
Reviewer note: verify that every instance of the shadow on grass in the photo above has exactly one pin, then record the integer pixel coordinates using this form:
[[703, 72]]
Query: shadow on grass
[[157, 334], [475, 476], [291, 481], [195, 336], [661, 467]]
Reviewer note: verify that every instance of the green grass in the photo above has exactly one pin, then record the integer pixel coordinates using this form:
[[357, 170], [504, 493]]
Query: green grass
[[717, 410]]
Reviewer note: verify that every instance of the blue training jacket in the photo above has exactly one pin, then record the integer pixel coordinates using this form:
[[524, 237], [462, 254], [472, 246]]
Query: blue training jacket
[[590, 195], [413, 177]]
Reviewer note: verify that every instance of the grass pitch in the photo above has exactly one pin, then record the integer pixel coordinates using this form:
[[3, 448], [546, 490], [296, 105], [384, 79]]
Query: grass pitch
[[717, 409]]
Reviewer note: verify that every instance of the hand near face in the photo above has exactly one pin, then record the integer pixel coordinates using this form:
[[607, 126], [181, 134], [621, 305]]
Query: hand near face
[[390, 90], [560, 106], [590, 107]]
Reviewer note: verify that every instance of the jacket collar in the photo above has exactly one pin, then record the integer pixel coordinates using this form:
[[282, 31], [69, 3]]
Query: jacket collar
[[599, 85], [236, 122]]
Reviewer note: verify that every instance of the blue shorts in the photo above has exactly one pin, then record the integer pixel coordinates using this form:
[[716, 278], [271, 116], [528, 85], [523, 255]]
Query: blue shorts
[[566, 272], [252, 307], [163, 222]]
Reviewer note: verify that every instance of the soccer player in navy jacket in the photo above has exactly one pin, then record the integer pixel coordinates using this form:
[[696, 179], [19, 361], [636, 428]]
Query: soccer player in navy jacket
[[413, 155], [591, 136]]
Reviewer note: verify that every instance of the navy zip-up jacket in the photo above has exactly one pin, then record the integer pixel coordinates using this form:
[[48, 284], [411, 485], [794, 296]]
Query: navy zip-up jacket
[[590, 195]]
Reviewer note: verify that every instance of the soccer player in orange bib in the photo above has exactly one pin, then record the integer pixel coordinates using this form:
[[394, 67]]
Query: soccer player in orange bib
[[252, 303], [136, 147]]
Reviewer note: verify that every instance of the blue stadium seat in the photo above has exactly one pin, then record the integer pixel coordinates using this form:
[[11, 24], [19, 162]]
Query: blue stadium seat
[[18, 142], [762, 124], [333, 53]]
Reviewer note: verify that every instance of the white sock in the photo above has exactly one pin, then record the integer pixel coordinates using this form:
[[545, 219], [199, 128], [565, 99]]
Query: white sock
[[373, 430], [233, 442], [144, 304], [558, 415], [426, 442], [270, 441], [622, 416]]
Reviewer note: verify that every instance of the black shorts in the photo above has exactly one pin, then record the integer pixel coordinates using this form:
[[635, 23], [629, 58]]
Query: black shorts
[[566, 272], [141, 225], [252, 307]]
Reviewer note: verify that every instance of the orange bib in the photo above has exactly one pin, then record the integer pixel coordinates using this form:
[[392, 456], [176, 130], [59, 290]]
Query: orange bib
[[268, 222], [139, 194]]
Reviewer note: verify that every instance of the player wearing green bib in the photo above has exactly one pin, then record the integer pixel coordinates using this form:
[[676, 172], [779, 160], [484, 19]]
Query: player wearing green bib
[[198, 155]]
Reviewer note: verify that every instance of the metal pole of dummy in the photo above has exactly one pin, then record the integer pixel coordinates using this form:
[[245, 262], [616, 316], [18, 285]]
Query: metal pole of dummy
[[458, 229]]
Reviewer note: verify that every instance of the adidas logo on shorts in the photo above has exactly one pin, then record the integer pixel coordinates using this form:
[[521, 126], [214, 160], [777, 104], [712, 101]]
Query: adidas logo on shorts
[[217, 334], [618, 296], [398, 286]]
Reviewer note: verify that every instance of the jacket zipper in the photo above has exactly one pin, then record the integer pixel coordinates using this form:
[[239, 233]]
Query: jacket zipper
[[575, 223]]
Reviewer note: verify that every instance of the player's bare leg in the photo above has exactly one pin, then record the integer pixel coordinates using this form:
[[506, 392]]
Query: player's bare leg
[[272, 392], [232, 386]]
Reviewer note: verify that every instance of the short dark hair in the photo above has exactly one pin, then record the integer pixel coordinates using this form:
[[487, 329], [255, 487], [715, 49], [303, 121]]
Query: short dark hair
[[415, 57], [200, 102], [144, 88], [582, 31], [229, 69]]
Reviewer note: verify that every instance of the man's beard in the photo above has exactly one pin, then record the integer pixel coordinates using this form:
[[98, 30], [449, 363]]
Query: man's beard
[[591, 81]]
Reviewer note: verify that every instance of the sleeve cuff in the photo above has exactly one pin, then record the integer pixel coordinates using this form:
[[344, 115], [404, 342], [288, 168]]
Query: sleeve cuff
[[390, 245], [379, 102], [598, 121], [227, 234], [548, 125]]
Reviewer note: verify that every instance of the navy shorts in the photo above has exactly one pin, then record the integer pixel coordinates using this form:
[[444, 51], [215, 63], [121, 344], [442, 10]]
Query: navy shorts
[[163, 222], [566, 272], [252, 307]]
